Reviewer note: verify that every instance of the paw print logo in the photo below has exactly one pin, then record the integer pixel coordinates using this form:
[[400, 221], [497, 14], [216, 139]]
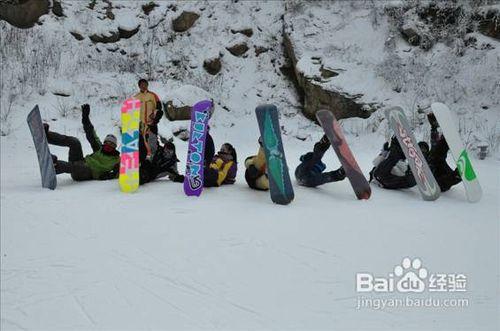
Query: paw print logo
[[412, 275]]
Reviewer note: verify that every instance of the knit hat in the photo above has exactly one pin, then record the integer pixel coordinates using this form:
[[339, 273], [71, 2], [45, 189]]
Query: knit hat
[[110, 138]]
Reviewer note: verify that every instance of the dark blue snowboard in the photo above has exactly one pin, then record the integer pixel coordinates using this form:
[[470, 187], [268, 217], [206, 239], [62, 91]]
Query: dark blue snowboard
[[47, 170], [277, 170]]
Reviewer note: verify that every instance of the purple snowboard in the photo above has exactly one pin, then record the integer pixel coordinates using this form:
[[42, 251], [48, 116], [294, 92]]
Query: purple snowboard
[[193, 180]]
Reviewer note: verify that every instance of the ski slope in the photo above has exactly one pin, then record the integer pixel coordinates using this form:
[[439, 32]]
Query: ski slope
[[87, 256]]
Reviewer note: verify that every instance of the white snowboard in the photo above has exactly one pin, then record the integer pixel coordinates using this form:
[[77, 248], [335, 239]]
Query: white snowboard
[[447, 122]]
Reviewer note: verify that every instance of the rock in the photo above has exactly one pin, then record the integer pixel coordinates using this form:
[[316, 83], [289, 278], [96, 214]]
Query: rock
[[149, 7], [184, 21], [113, 48], [181, 132], [109, 10], [247, 32], [57, 8], [177, 113], [24, 14], [61, 94], [178, 107], [327, 73], [62, 88], [411, 36], [212, 66], [315, 96], [238, 49], [77, 35], [111, 37], [92, 4], [260, 49], [125, 33], [489, 25]]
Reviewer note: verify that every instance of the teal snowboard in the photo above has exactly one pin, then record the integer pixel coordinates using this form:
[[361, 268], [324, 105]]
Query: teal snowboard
[[277, 170]]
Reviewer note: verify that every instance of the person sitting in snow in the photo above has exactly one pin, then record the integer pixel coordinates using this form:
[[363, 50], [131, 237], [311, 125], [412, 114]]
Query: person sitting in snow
[[392, 172], [256, 172], [163, 163], [150, 115], [310, 172], [221, 168], [390, 169], [102, 164]]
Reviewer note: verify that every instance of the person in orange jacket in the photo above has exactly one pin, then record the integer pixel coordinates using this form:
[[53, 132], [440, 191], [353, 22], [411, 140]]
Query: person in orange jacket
[[150, 116]]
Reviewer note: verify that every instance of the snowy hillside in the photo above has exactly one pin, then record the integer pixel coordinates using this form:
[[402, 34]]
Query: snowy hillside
[[86, 256]]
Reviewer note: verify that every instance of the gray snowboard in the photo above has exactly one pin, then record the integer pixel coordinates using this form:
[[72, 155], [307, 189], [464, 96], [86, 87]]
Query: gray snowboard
[[47, 170], [427, 185]]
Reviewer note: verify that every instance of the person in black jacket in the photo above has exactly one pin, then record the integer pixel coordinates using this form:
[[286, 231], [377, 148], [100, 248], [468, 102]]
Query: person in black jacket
[[163, 163], [392, 173], [310, 172], [390, 168]]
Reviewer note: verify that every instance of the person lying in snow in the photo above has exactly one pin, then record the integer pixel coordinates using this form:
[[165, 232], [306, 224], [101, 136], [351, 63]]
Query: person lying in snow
[[163, 163], [255, 173], [102, 164], [310, 172], [220, 168], [391, 171]]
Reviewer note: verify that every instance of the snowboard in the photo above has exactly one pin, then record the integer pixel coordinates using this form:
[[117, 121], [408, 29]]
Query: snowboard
[[334, 133], [129, 158], [193, 179], [47, 170], [277, 170], [448, 125], [427, 185]]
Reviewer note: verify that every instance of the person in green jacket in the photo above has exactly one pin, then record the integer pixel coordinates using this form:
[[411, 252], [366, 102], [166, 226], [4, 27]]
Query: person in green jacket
[[102, 164]]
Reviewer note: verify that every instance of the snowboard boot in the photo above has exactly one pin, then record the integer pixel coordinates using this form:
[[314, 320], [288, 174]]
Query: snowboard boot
[[448, 180], [336, 175]]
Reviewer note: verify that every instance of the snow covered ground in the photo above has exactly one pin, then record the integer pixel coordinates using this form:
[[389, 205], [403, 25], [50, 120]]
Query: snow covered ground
[[87, 256]]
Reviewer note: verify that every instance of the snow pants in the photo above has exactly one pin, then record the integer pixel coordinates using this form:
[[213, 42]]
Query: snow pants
[[445, 176], [76, 162]]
